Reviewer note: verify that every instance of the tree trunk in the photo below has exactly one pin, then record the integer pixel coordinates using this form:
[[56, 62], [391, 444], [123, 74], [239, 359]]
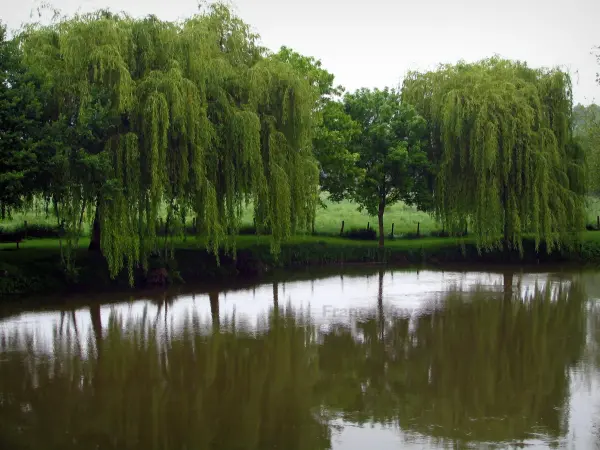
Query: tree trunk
[[276, 298], [95, 236], [213, 296], [97, 326], [380, 217], [506, 232], [507, 227], [380, 307], [508, 286]]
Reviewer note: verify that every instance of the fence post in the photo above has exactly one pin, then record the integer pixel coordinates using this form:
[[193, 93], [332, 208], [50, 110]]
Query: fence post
[[393, 230], [342, 229], [368, 225], [598, 222], [418, 229], [25, 228]]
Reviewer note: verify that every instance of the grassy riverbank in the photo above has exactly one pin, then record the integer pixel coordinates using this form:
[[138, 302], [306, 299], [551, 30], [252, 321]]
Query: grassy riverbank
[[36, 268]]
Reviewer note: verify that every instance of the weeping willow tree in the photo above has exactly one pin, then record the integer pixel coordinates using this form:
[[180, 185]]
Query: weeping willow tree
[[501, 135], [193, 117]]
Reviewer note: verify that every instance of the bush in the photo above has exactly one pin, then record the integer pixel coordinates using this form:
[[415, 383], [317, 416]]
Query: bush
[[43, 231], [11, 236], [32, 231], [445, 234], [247, 230], [363, 234]]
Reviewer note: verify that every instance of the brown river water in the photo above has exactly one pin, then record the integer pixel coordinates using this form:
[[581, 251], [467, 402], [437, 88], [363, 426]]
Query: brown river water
[[368, 360]]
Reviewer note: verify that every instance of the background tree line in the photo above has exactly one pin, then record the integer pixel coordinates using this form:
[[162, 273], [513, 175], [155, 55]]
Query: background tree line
[[110, 118]]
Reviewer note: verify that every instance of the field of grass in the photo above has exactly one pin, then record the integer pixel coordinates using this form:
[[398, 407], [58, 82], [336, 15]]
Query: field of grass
[[328, 220], [405, 218]]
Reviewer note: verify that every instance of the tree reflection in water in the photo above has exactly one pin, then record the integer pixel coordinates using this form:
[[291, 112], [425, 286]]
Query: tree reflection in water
[[483, 366], [479, 366]]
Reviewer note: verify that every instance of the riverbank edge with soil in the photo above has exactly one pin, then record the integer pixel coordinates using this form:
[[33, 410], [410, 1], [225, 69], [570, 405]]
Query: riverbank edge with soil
[[36, 269]]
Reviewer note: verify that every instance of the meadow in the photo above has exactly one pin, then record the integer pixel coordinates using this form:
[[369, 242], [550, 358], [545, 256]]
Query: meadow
[[328, 221], [328, 218]]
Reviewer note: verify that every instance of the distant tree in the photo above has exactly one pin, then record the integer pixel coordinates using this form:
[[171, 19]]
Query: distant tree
[[390, 148], [332, 147], [502, 136], [586, 130], [312, 70], [333, 128], [20, 126]]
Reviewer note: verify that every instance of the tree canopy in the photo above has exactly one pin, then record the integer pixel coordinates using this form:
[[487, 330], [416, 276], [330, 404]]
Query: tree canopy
[[193, 116], [586, 129], [390, 148], [333, 128], [501, 133], [21, 100]]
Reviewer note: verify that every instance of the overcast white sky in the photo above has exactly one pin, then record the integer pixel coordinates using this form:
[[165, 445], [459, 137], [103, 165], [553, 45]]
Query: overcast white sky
[[372, 43]]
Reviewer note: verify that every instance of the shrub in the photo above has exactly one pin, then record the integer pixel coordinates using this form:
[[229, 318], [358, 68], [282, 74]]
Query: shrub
[[445, 234], [364, 234], [32, 231], [247, 230]]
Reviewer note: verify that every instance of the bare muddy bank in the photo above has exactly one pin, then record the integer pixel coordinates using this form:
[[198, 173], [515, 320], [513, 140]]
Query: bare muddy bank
[[38, 270]]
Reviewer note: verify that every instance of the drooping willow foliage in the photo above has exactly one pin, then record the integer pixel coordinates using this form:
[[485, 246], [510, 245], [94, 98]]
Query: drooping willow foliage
[[192, 116], [501, 134]]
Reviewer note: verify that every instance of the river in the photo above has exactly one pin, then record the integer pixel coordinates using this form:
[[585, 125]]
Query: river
[[378, 359]]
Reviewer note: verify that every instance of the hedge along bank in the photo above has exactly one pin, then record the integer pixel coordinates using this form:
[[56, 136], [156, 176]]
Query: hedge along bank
[[36, 269]]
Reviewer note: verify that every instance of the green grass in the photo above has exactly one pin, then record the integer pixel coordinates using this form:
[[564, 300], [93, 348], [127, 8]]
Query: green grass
[[250, 241], [405, 218], [328, 220], [18, 219]]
